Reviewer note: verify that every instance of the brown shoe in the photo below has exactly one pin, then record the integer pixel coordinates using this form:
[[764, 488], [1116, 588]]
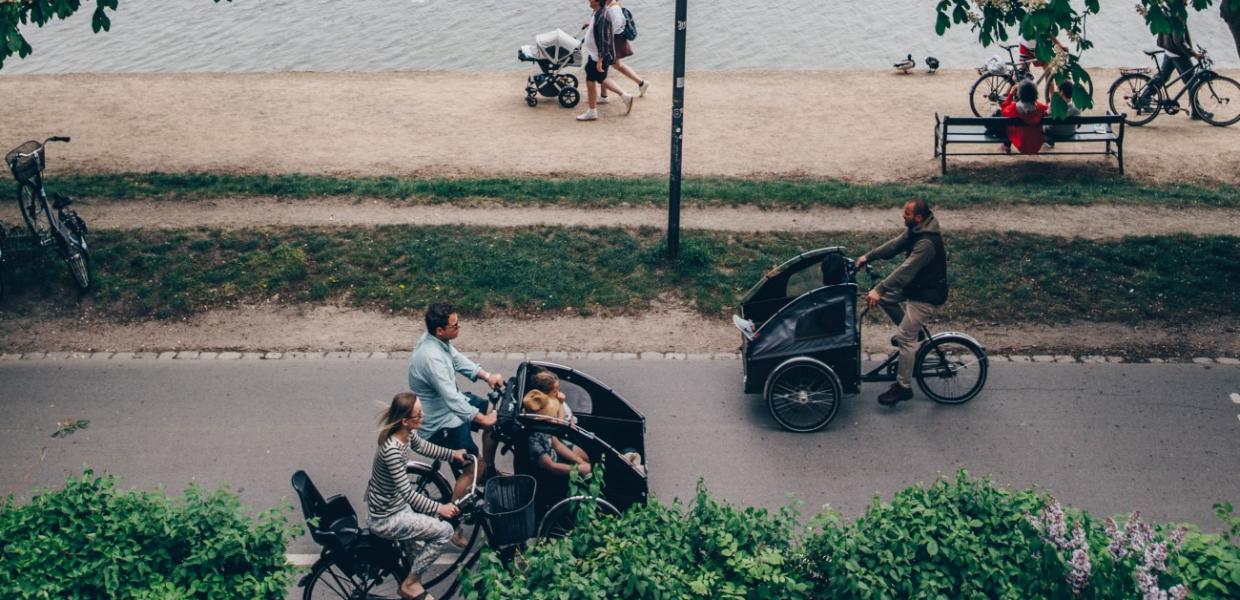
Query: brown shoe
[[895, 394]]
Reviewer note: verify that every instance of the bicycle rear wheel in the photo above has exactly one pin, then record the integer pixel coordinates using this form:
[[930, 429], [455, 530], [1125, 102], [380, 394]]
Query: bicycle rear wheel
[[1126, 97], [987, 93], [1217, 101], [951, 369], [351, 577], [71, 233]]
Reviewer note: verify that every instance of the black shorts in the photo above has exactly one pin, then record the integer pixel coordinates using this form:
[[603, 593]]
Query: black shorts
[[592, 72], [459, 438]]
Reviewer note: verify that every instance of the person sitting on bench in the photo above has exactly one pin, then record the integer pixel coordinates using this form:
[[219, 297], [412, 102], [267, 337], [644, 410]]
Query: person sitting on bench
[[1022, 103], [1062, 131]]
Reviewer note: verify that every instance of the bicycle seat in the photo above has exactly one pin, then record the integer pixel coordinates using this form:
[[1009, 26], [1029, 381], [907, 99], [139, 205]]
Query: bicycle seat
[[60, 201], [1008, 46], [1154, 52]]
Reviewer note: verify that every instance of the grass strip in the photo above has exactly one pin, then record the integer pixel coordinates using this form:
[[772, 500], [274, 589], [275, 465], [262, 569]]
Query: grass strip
[[1033, 186], [1005, 278]]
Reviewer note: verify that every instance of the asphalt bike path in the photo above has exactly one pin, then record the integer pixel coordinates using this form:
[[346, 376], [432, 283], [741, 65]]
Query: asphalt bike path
[[1110, 438]]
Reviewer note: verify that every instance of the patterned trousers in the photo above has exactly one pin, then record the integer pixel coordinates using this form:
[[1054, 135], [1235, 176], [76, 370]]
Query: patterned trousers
[[421, 537]]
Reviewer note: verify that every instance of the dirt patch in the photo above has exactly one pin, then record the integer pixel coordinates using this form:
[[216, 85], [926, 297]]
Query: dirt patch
[[824, 123], [1092, 222], [665, 328]]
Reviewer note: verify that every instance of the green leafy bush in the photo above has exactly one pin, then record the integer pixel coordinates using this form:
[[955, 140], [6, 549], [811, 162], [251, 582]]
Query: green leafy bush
[[962, 539], [91, 540], [713, 550]]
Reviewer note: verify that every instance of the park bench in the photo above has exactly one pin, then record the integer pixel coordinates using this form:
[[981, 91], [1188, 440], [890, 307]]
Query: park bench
[[1107, 130]]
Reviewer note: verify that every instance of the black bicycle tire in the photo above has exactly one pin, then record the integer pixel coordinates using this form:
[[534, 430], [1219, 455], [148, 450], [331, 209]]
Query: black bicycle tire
[[983, 365], [1202, 113], [1123, 108], [561, 511], [326, 565], [824, 418], [31, 218], [66, 247], [973, 90]]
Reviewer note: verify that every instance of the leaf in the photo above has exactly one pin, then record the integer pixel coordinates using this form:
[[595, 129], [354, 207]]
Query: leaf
[[941, 24], [932, 548]]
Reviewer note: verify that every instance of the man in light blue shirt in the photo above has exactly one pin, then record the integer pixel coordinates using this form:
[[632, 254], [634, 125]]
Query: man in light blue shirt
[[448, 412]]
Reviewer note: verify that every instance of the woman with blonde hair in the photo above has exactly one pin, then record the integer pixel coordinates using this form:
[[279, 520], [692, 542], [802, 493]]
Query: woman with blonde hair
[[397, 511]]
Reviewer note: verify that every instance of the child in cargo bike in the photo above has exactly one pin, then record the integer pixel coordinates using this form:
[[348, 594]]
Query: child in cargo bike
[[549, 453]]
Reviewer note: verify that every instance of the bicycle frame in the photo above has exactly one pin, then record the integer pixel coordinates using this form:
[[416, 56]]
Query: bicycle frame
[[1198, 73]]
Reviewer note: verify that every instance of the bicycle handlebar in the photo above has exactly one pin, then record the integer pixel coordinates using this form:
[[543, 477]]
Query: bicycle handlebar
[[57, 138]]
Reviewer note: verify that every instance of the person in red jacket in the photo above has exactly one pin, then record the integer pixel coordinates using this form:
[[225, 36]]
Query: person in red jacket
[[1022, 103]]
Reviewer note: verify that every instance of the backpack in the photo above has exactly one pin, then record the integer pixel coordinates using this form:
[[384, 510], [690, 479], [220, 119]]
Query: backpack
[[630, 26]]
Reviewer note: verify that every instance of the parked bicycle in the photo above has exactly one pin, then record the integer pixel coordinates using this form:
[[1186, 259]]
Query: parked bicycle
[[64, 228], [1142, 97], [996, 78]]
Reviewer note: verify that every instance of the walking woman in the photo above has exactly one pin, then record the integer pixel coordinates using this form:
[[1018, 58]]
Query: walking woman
[[623, 50], [397, 511]]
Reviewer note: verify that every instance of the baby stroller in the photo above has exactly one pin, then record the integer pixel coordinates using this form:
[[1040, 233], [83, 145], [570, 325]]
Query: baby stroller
[[554, 51]]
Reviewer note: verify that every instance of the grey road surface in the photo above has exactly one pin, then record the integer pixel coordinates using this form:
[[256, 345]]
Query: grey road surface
[[1163, 439]]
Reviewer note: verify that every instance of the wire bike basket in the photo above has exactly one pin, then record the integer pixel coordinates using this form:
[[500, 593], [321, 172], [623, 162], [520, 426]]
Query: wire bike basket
[[508, 505], [25, 168]]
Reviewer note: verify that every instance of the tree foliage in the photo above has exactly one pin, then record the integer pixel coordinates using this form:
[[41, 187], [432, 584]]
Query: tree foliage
[[1047, 20], [15, 14]]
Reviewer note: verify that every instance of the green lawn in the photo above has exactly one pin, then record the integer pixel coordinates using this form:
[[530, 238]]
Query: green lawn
[[1034, 186], [1006, 278]]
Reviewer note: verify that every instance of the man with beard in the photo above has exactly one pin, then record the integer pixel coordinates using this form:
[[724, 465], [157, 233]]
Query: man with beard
[[919, 283]]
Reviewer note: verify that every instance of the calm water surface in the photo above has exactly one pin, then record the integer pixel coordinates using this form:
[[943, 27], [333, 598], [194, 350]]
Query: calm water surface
[[474, 35]]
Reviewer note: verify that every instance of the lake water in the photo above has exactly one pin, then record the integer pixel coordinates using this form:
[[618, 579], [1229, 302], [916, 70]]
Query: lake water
[[483, 35]]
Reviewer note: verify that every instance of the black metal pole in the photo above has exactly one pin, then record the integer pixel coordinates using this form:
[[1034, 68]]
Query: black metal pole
[[678, 117]]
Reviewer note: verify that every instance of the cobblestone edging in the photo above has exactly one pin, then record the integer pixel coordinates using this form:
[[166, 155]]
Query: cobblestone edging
[[554, 356]]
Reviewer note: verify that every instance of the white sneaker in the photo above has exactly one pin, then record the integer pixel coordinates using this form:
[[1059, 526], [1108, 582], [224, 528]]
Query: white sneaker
[[603, 100], [627, 99], [589, 115], [641, 89]]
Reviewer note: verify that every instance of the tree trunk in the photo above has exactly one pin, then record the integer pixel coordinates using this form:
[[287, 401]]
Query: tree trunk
[[1230, 9]]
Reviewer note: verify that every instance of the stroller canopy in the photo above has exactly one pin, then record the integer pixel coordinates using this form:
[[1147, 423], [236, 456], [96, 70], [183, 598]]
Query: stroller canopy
[[555, 46]]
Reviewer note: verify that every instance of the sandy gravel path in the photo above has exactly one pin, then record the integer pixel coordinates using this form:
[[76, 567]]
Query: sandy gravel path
[[665, 328], [857, 125], [1092, 222]]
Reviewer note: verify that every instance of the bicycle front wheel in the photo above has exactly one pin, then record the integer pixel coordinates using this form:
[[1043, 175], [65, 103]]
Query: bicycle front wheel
[[71, 233], [561, 519], [1217, 101], [35, 212], [951, 369], [1131, 95], [987, 93], [351, 577]]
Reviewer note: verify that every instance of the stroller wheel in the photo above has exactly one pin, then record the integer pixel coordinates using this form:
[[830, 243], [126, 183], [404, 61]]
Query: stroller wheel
[[569, 97], [567, 80], [532, 101]]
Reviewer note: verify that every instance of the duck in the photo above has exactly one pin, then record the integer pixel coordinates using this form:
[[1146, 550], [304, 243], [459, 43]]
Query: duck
[[933, 63], [906, 65]]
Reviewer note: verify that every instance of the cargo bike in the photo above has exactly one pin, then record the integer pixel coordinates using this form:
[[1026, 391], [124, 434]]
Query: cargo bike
[[507, 513], [801, 344]]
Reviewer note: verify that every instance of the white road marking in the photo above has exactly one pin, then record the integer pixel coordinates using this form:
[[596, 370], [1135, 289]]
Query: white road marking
[[1235, 397]]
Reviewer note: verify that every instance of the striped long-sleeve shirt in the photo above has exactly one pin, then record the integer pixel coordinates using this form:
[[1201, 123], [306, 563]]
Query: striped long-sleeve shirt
[[390, 489]]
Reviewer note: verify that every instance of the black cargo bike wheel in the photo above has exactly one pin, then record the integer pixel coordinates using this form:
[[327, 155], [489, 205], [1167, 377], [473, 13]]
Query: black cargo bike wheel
[[803, 394]]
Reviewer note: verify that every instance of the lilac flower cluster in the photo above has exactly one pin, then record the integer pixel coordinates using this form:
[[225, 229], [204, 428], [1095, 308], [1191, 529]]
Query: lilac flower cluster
[[1138, 540], [1052, 525]]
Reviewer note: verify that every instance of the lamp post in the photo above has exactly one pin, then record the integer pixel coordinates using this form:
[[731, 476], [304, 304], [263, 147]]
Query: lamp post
[[678, 117]]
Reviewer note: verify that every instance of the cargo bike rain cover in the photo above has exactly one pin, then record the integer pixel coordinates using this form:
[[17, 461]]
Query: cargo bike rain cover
[[795, 313]]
